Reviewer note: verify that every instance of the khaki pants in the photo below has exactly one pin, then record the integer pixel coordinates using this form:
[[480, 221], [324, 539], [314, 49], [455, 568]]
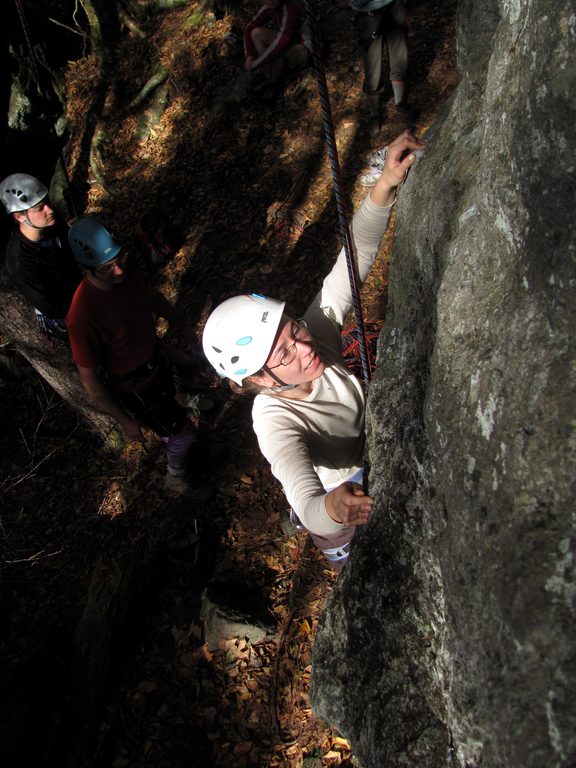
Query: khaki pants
[[374, 30], [335, 547]]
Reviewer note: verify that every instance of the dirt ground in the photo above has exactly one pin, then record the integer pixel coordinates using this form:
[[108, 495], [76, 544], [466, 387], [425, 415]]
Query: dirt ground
[[249, 188]]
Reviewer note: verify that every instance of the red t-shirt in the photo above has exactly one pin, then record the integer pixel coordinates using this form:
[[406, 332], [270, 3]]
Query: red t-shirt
[[115, 328]]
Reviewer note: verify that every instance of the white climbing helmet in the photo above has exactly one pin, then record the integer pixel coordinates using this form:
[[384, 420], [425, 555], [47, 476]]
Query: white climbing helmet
[[239, 335], [19, 192]]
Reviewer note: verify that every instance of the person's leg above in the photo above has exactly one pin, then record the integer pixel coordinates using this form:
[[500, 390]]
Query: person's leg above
[[297, 57], [262, 39], [397, 49], [155, 407], [368, 30], [178, 449]]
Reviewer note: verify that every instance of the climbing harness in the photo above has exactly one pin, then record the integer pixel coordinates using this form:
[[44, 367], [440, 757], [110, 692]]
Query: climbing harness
[[338, 187]]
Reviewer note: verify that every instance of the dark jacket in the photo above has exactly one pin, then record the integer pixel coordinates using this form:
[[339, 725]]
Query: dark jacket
[[44, 271]]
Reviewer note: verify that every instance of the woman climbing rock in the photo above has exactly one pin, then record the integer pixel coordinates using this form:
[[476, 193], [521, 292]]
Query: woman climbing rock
[[308, 413]]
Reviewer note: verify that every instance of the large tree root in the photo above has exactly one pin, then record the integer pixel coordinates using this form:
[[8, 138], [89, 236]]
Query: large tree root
[[97, 160], [150, 117], [158, 78]]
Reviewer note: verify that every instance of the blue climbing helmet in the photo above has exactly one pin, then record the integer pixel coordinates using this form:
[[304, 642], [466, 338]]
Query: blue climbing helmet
[[91, 243], [239, 335]]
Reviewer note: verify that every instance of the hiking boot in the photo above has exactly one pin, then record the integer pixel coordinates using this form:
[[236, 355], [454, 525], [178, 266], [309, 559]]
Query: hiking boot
[[371, 177], [377, 159], [180, 485], [337, 556]]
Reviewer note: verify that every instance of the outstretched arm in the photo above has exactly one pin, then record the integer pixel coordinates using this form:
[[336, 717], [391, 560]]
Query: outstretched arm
[[369, 224]]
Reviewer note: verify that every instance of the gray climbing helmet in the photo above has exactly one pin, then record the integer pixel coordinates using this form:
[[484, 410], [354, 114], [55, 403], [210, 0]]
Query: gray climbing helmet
[[19, 192]]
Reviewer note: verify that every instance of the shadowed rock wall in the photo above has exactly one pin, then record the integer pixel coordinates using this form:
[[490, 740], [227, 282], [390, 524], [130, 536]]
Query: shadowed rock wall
[[450, 638]]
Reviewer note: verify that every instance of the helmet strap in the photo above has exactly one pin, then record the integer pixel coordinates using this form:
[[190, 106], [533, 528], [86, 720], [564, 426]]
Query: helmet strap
[[29, 223], [282, 386], [27, 217]]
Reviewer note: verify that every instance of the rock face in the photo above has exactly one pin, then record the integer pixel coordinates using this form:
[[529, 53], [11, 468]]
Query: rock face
[[449, 640]]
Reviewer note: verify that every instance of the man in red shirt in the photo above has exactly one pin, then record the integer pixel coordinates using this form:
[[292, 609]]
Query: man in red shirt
[[120, 361]]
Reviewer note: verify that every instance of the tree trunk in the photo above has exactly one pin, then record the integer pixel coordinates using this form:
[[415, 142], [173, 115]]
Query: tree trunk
[[55, 365], [102, 16]]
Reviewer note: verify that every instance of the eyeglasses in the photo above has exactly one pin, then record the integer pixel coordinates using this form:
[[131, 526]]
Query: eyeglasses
[[299, 334], [108, 269]]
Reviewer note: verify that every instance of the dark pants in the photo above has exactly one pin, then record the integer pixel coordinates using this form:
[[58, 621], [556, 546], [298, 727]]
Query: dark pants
[[154, 406]]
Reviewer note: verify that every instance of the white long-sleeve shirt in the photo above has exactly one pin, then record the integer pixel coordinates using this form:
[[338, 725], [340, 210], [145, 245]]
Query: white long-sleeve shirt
[[317, 443]]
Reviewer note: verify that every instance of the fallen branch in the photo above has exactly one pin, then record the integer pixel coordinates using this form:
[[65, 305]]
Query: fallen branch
[[69, 29], [4, 488], [6, 485], [33, 558]]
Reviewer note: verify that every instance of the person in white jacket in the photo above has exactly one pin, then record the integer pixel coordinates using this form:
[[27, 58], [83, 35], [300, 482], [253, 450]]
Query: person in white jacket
[[308, 413]]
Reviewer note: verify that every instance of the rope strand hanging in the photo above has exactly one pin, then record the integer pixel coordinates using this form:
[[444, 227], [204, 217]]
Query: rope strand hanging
[[343, 220]]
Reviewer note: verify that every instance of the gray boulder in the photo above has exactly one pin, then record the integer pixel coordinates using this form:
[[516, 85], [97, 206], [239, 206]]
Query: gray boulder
[[449, 640]]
